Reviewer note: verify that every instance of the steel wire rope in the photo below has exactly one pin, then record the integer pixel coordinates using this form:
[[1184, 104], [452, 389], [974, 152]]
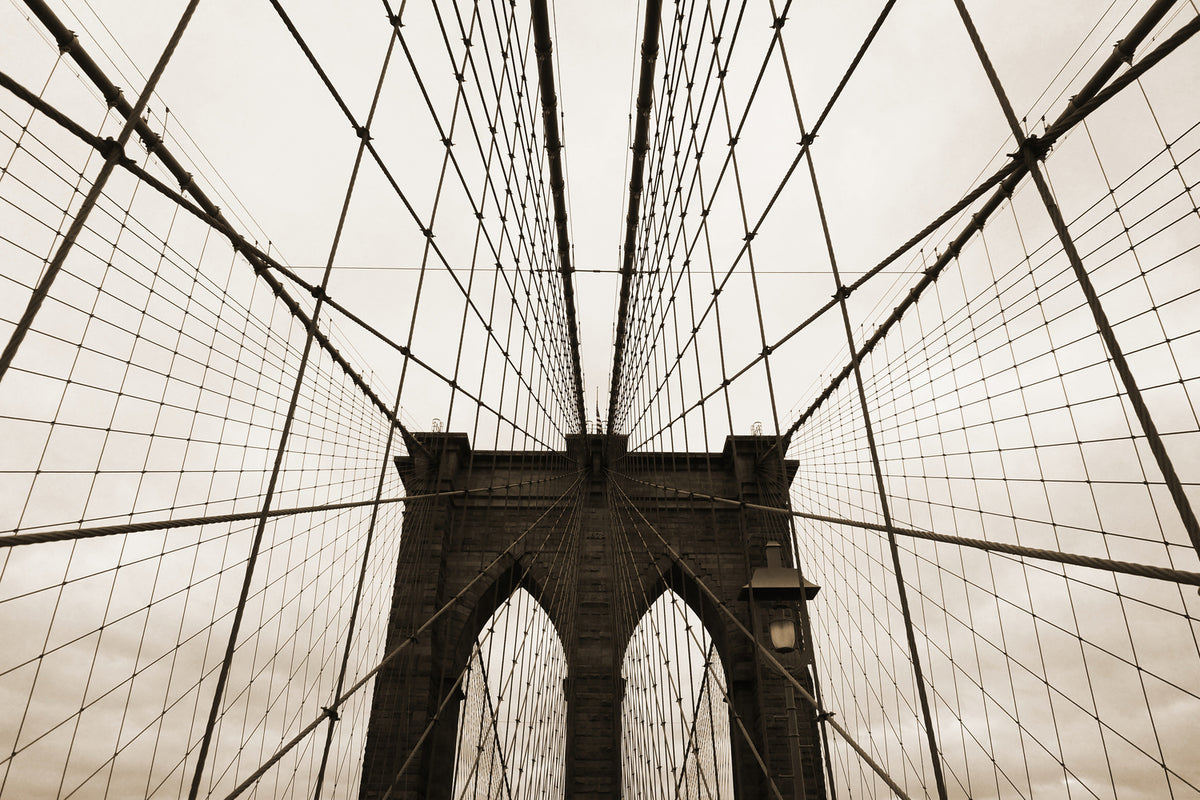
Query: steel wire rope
[[541, 226], [1140, 671], [646, 317], [309, 288], [219, 691], [572, 541], [392, 38], [484, 637], [705, 438], [108, 600], [449, 156], [453, 160], [504, 638], [341, 310], [1019, 416], [887, 521], [973, 333], [1043, 680], [804, 149], [674, 599], [1070, 590], [651, 303], [721, 97], [676, 559], [132, 65], [394, 652], [714, 304], [743, 120], [155, 143], [692, 747], [1091, 98], [42, 289], [99, 93], [784, 496], [24, 127], [766, 655], [54, 267], [855, 364], [661, 750], [128, 615], [251, 252]]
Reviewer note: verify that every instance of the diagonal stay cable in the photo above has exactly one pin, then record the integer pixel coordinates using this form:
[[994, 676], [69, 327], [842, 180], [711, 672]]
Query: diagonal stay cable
[[1087, 100], [691, 634], [211, 213], [788, 173], [332, 708], [766, 654], [538, 229], [364, 133], [1106, 564], [72, 534], [259, 260], [1031, 153], [281, 451], [112, 153], [645, 103]]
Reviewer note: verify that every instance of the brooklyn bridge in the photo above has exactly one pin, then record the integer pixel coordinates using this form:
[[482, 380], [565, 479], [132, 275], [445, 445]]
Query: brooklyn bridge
[[646, 399]]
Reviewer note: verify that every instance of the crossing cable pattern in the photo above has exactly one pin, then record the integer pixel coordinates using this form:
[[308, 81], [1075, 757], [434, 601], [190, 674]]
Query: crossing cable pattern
[[975, 465], [189, 416], [992, 425]]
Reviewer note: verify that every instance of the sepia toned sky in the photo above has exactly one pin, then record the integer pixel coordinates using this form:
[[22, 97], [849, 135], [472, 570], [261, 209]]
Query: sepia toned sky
[[917, 126]]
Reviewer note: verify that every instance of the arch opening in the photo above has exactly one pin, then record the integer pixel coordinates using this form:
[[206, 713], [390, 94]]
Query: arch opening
[[511, 735], [675, 727]]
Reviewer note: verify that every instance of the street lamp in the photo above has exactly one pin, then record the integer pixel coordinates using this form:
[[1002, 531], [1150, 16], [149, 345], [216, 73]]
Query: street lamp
[[779, 586]]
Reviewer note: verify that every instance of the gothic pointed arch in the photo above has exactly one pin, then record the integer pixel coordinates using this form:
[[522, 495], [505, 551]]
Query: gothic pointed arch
[[675, 710], [512, 716]]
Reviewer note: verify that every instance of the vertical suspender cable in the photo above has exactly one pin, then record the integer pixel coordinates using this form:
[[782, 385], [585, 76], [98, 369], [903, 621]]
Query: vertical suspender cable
[[113, 155], [645, 102], [543, 47], [1030, 153], [1077, 108]]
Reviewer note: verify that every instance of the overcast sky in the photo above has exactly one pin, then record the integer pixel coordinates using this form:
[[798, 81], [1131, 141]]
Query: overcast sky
[[1039, 449]]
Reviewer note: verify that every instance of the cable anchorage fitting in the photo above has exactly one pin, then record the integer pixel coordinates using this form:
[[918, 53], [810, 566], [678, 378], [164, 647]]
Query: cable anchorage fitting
[[1034, 146], [113, 97], [1125, 52], [67, 43], [331, 712], [151, 141], [111, 150]]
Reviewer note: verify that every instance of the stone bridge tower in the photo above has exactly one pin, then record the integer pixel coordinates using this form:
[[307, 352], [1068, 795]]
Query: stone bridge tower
[[457, 537]]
